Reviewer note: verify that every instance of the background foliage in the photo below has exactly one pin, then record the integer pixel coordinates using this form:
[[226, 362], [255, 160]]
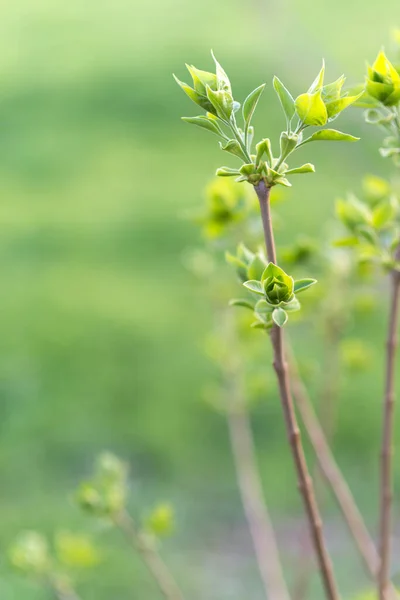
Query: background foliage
[[95, 171]]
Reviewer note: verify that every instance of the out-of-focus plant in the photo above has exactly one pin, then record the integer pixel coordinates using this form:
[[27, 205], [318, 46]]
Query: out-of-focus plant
[[382, 101], [105, 496], [373, 224], [54, 565]]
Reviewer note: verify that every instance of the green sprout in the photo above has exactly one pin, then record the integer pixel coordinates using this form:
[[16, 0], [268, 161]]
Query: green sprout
[[321, 104], [278, 290]]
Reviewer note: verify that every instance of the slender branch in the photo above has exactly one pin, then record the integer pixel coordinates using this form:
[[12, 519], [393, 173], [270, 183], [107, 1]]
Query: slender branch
[[327, 421], [281, 368], [386, 486], [257, 516], [150, 556], [334, 476]]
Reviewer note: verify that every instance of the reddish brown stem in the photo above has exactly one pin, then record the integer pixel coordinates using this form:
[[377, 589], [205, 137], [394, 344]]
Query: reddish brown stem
[[386, 486], [257, 516], [334, 476], [281, 368]]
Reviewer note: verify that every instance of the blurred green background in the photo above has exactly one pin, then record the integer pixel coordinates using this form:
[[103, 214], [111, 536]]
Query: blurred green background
[[101, 325]]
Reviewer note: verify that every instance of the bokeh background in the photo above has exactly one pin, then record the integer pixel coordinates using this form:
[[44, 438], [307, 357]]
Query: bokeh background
[[101, 324]]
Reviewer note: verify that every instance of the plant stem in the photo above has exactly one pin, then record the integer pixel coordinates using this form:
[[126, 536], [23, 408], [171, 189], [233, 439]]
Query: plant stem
[[281, 368], [332, 473], [257, 516], [150, 556], [386, 485], [333, 327]]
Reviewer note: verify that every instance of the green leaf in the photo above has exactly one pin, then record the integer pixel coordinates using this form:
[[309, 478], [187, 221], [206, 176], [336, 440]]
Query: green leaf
[[302, 284], [197, 98], [311, 109], [288, 143], [368, 234], [241, 302], [293, 305], [264, 147], [262, 307], [373, 116], [201, 79], [353, 213], [332, 91], [388, 152], [318, 81], [279, 317], [285, 98], [260, 325], [337, 106], [329, 135], [222, 102], [227, 172], [346, 242], [222, 77], [384, 213], [250, 104], [205, 123], [283, 181], [307, 168], [256, 267], [233, 147], [254, 286]]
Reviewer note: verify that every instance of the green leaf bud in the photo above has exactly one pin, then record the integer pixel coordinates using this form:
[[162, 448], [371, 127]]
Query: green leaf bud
[[383, 81], [161, 521]]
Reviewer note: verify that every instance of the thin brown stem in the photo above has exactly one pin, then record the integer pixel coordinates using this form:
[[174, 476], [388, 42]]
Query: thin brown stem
[[281, 368], [333, 475], [160, 572], [386, 485], [256, 511], [327, 422]]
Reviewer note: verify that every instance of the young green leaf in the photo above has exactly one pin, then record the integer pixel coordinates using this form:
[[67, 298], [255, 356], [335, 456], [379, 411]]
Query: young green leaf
[[197, 98], [302, 284], [264, 147], [307, 168], [285, 98], [279, 317], [346, 242], [227, 172], [254, 286], [241, 302], [262, 307], [233, 147], [383, 213], [367, 234], [311, 109], [330, 135], [318, 81], [288, 143], [222, 77], [250, 104], [337, 106], [256, 267], [206, 123], [293, 305], [222, 102]]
